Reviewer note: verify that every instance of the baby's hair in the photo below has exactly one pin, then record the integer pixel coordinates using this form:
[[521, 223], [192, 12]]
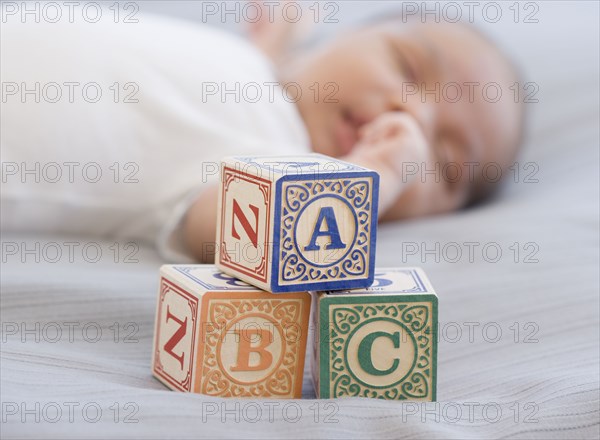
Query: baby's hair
[[485, 189]]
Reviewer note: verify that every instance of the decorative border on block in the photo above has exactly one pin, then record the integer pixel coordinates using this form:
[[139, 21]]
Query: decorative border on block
[[346, 273], [260, 272], [167, 286], [221, 311]]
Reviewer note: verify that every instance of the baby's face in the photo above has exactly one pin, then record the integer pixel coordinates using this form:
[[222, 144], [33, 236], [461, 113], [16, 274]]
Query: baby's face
[[445, 76]]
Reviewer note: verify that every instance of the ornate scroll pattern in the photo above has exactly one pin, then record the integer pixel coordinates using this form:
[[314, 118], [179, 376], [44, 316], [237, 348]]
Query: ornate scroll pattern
[[230, 253], [352, 262], [345, 318], [284, 314]]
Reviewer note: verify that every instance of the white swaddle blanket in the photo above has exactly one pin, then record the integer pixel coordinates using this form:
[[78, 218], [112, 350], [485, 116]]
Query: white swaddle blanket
[[110, 129]]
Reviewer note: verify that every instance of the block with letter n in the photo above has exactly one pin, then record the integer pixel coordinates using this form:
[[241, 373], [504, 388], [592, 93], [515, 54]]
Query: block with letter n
[[219, 336], [297, 223], [378, 342]]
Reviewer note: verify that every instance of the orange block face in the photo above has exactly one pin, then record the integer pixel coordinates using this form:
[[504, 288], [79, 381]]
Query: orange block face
[[218, 336], [253, 344]]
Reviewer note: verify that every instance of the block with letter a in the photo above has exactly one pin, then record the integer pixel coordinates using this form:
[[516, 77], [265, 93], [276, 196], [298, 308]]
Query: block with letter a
[[219, 336], [379, 342], [297, 223]]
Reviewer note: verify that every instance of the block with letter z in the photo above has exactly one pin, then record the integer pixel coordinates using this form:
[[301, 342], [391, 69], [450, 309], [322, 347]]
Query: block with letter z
[[219, 336], [297, 223]]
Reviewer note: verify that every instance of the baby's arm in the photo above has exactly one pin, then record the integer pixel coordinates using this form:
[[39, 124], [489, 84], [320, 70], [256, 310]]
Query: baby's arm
[[386, 143], [200, 226]]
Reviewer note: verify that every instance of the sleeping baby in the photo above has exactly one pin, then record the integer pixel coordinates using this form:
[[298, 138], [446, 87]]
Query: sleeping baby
[[117, 130]]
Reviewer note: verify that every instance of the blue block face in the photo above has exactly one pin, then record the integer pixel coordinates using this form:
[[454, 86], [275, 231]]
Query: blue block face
[[325, 226]]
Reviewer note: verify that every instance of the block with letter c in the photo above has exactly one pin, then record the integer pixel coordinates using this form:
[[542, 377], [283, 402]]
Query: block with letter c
[[378, 342]]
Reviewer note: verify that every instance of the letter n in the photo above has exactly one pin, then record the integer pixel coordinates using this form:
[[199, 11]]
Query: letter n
[[239, 214]]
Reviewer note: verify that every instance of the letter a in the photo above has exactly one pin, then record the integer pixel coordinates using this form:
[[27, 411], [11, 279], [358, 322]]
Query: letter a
[[252, 233], [326, 215]]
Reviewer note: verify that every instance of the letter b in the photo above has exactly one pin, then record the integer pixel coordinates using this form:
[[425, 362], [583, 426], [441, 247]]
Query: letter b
[[245, 348]]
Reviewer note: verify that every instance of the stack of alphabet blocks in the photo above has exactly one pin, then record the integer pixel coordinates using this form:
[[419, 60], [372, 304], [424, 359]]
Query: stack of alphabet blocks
[[292, 229]]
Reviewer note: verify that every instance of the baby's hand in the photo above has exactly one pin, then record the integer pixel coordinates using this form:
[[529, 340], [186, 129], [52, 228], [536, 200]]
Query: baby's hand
[[386, 145], [395, 138]]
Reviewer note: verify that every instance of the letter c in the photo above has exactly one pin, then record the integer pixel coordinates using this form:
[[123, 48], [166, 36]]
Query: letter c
[[364, 353]]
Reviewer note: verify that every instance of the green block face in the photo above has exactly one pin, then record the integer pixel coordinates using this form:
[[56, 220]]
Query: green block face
[[379, 342]]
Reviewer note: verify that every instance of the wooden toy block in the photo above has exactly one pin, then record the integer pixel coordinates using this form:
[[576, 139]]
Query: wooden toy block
[[378, 342], [297, 223], [218, 336]]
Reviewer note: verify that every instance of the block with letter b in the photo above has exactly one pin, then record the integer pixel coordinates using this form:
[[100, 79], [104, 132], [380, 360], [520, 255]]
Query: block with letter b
[[219, 336], [290, 224], [379, 342]]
